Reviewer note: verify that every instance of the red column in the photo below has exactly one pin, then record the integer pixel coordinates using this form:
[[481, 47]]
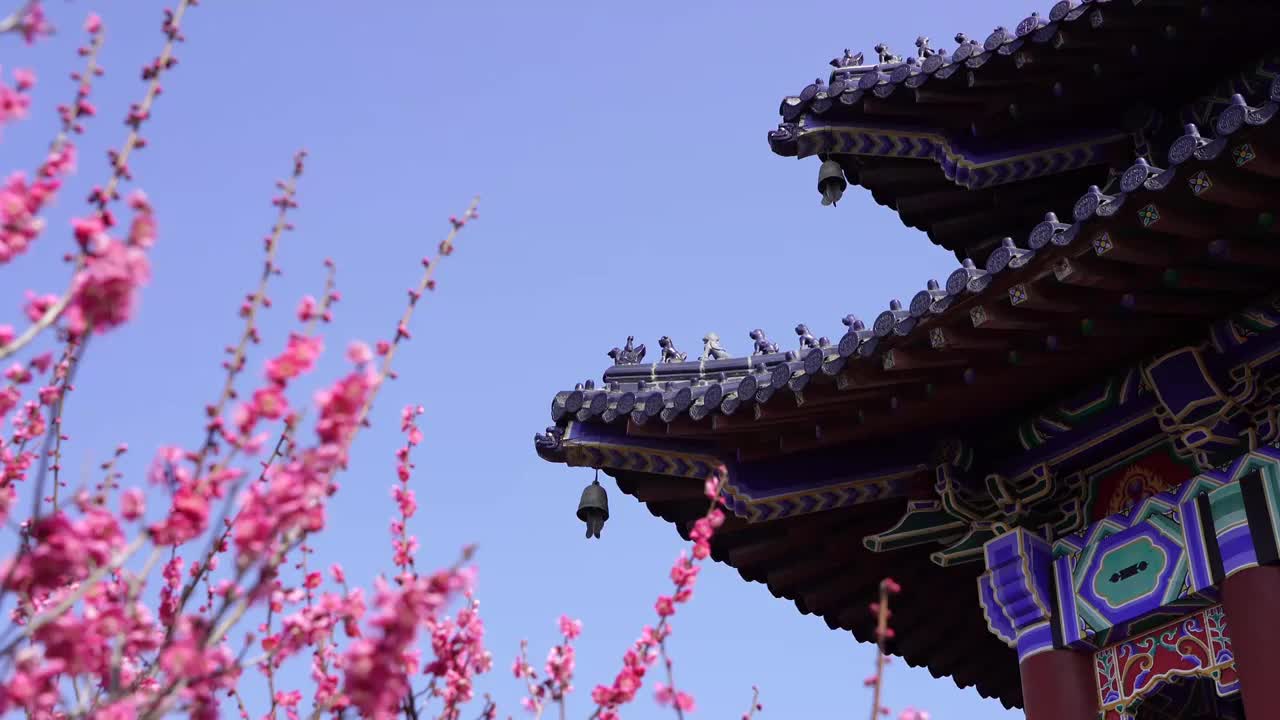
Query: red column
[[1251, 599], [1060, 685]]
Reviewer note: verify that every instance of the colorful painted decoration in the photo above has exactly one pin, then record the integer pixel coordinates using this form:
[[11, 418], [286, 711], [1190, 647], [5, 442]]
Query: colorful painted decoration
[[1132, 575], [1118, 489], [1102, 243], [1196, 646], [1149, 215], [1243, 154], [1200, 182]]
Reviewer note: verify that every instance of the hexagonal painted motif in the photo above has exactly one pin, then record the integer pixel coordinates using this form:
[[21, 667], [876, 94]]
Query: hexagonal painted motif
[[1131, 574], [1149, 215]]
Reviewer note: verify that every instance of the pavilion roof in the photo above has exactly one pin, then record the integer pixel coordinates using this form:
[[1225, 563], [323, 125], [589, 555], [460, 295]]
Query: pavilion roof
[[1130, 271], [1125, 272], [960, 141]]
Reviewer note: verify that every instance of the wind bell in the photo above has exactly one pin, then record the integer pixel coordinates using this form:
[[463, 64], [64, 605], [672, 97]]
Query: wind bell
[[593, 508]]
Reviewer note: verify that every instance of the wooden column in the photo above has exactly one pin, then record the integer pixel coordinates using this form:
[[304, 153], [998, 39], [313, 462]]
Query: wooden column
[[1251, 599], [1059, 685]]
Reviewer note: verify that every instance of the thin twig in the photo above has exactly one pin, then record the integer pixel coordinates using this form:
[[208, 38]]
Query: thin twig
[[257, 300], [424, 284], [882, 627], [55, 422], [755, 703]]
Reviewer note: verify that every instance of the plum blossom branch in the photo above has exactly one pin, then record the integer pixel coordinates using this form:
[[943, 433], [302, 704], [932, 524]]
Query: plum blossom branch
[[883, 633], [404, 545], [309, 313], [80, 591], [273, 509], [646, 650], [20, 221], [755, 704], [426, 283], [101, 198], [55, 396], [559, 671], [28, 20], [119, 660], [284, 202]]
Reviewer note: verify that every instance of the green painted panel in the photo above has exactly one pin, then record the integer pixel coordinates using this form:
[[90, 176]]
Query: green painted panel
[[1129, 572]]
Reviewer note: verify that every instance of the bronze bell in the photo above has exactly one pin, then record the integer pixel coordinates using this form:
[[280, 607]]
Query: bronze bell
[[831, 182], [593, 508]]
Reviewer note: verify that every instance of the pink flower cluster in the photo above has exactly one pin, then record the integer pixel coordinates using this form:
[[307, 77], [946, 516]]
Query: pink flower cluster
[[64, 551], [21, 202], [377, 669], [558, 680], [458, 647], [188, 515], [14, 100], [104, 291], [269, 402], [32, 22], [189, 658], [16, 455], [403, 544]]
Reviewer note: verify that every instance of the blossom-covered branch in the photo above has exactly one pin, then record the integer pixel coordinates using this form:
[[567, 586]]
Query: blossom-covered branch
[[134, 603], [99, 262]]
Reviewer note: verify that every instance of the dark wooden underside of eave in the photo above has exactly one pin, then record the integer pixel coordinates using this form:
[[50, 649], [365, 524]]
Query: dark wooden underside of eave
[[819, 562], [970, 223]]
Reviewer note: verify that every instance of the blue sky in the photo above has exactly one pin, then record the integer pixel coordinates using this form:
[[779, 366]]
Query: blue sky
[[627, 190]]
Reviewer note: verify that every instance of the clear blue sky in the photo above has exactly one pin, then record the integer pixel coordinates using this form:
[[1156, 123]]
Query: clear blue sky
[[627, 189]]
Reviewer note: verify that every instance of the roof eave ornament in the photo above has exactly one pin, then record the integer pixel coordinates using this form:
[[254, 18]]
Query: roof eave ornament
[[923, 50], [886, 56], [848, 60], [711, 349], [550, 445], [669, 352], [763, 346], [630, 354]]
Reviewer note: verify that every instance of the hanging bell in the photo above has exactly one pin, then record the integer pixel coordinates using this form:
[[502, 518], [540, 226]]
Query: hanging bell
[[831, 182], [593, 508]]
